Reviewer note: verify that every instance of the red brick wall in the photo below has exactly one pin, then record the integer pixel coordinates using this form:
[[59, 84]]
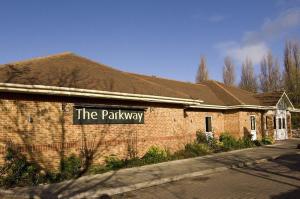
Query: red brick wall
[[270, 125], [245, 125], [39, 127], [232, 122]]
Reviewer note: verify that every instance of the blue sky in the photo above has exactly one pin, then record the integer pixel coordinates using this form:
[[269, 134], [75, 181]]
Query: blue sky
[[155, 37]]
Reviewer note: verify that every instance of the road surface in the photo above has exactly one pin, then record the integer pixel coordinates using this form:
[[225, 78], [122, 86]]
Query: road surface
[[277, 179]]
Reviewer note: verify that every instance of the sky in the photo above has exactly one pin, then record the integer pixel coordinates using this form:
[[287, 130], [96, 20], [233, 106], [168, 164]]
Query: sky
[[164, 38]]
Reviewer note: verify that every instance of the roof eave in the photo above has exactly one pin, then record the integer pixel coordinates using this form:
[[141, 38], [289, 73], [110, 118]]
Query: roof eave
[[87, 93], [220, 107], [295, 110]]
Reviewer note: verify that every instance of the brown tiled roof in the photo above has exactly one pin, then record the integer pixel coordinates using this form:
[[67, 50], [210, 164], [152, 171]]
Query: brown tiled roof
[[245, 97], [193, 91], [270, 98], [70, 70]]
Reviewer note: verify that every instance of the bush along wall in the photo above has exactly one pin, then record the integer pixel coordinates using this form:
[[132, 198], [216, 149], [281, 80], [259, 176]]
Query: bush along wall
[[18, 171]]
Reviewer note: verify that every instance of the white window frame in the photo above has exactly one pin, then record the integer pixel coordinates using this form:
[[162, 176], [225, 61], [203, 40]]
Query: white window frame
[[207, 133], [251, 122], [211, 118]]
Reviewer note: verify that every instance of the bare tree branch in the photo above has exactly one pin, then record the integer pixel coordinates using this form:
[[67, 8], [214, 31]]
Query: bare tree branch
[[228, 71], [248, 80]]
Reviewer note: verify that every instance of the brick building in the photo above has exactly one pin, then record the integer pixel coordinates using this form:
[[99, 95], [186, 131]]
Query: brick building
[[62, 104]]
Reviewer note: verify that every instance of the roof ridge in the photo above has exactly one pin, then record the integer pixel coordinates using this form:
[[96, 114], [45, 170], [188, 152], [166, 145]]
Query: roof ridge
[[228, 92], [168, 79], [233, 86], [61, 55], [154, 83], [98, 63], [40, 58]]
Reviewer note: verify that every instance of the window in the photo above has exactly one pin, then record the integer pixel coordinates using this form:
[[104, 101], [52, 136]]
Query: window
[[266, 125], [274, 122], [279, 123], [252, 120], [208, 127], [283, 123]]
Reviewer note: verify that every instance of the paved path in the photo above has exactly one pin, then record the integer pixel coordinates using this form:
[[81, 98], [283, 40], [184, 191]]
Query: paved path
[[135, 178], [273, 180]]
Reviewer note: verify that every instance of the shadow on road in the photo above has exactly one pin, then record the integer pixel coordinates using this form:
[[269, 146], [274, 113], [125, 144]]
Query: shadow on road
[[288, 195]]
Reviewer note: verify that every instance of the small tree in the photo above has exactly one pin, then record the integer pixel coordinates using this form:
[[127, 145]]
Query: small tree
[[228, 72], [269, 77], [248, 80], [292, 70], [202, 73]]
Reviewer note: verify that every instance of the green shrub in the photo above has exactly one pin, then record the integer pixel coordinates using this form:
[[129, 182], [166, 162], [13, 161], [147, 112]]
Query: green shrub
[[216, 146], [70, 167], [112, 162], [18, 171], [257, 143], [229, 142], [267, 140], [155, 154], [239, 144], [201, 137], [247, 142], [211, 141], [195, 149], [182, 154], [134, 162], [96, 169]]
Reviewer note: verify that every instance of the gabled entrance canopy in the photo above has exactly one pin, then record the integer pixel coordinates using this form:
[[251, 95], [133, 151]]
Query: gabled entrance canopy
[[278, 99], [284, 103]]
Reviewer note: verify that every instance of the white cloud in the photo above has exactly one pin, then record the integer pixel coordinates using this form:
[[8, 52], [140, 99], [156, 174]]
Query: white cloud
[[271, 29], [255, 52], [254, 43]]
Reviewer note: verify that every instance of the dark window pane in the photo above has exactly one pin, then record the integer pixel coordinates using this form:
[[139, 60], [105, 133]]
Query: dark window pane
[[279, 123], [283, 123], [252, 120], [274, 121], [208, 127]]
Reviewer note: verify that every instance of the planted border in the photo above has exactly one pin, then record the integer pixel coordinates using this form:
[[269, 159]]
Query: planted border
[[18, 171]]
